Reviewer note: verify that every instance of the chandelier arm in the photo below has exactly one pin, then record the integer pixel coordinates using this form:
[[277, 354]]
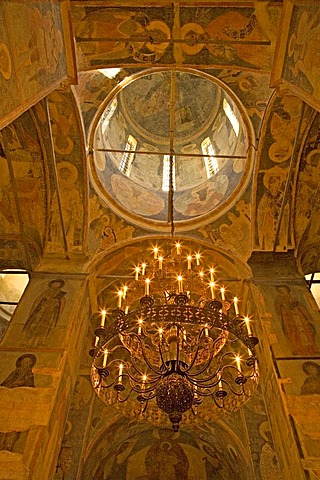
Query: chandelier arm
[[112, 361], [101, 384], [207, 364], [157, 372], [196, 352], [154, 380], [126, 398], [221, 405], [102, 350], [163, 363]]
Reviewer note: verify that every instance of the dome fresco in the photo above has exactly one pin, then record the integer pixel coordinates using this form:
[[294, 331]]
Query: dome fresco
[[158, 113]]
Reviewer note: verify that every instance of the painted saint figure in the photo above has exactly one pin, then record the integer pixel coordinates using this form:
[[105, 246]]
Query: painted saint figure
[[45, 313], [22, 376], [269, 209], [311, 385], [296, 322]]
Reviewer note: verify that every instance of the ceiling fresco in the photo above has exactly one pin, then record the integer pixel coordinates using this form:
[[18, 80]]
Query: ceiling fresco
[[159, 113], [176, 35]]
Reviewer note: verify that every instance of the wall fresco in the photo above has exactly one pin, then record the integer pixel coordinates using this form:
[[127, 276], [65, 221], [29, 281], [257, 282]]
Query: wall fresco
[[69, 172], [274, 155], [33, 55], [293, 328], [23, 183], [296, 61], [307, 206]]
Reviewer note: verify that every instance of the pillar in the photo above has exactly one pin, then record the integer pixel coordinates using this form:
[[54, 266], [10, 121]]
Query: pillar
[[39, 359], [289, 329]]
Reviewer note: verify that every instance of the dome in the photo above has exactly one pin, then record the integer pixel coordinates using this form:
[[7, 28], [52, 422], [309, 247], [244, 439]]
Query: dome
[[158, 113]]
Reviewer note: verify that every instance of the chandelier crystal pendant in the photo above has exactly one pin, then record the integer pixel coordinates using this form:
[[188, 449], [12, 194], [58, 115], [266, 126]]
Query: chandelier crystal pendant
[[175, 339]]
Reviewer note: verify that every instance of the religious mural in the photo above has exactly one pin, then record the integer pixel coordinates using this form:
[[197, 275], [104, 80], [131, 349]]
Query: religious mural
[[33, 59], [23, 188], [292, 330], [232, 231], [274, 189], [66, 231], [44, 313], [307, 208], [139, 452], [141, 112], [296, 61], [42, 322], [22, 376], [265, 460], [106, 228], [303, 376], [181, 35]]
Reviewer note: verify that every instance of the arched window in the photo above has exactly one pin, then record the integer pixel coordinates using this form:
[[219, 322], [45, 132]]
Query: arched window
[[12, 286]]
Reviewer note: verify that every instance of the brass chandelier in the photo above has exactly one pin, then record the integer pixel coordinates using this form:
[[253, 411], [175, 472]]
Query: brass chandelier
[[175, 340]]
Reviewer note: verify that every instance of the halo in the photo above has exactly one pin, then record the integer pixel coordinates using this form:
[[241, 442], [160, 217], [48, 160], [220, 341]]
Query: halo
[[280, 152], [312, 154], [188, 28], [274, 172], [292, 44], [26, 355], [5, 67], [73, 170]]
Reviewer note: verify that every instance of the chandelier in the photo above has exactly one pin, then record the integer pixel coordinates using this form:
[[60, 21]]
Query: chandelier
[[175, 339]]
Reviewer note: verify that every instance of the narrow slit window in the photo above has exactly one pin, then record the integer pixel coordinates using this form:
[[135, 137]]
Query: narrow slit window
[[231, 116], [166, 173], [107, 115], [210, 161], [127, 156]]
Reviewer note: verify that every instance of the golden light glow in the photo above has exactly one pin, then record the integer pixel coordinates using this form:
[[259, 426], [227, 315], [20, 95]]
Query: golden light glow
[[147, 289], [247, 322], [103, 317], [211, 274]]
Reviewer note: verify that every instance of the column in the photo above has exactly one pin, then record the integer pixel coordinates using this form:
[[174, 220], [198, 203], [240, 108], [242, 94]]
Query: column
[[39, 359], [289, 329]]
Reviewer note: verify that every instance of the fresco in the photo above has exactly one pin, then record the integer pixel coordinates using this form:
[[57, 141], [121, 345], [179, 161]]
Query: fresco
[[296, 63], [303, 376], [307, 210], [232, 231], [23, 182], [140, 111], [251, 88], [180, 35], [92, 89], [139, 452], [105, 227], [274, 159], [32, 52], [67, 170], [42, 321], [134, 35], [293, 327], [264, 457]]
